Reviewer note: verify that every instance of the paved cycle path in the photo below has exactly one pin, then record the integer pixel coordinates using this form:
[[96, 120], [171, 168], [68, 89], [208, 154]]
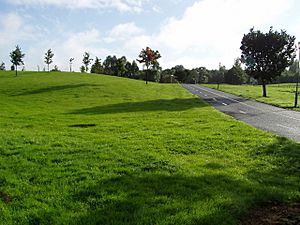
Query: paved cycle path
[[263, 116]]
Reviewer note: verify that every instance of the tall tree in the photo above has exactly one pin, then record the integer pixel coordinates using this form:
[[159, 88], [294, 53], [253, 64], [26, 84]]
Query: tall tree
[[16, 57], [266, 55], [86, 60], [97, 67], [235, 75], [48, 58], [121, 66], [149, 57]]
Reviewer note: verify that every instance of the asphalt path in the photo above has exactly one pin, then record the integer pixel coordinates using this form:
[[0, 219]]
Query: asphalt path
[[266, 117]]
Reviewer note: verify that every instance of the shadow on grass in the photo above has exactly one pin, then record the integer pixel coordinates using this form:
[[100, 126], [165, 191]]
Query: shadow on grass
[[153, 105], [54, 88], [158, 197]]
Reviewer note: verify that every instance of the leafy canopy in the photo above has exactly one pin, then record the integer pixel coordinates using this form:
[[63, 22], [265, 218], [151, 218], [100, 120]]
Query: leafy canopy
[[148, 57], [16, 57], [266, 55]]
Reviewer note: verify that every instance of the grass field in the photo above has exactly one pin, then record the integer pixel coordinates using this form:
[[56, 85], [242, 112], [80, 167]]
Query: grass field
[[282, 95], [92, 149]]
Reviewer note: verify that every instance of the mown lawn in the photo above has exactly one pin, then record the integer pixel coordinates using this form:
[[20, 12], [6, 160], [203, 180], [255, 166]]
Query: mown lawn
[[92, 149], [282, 95]]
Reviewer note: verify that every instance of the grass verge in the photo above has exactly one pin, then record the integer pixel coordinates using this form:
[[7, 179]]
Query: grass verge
[[281, 95]]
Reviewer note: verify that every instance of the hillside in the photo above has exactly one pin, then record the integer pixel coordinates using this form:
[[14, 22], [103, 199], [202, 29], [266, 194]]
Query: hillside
[[95, 149]]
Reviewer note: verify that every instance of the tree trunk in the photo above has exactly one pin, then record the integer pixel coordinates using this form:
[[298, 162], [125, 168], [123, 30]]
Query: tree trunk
[[264, 88], [147, 75], [48, 68]]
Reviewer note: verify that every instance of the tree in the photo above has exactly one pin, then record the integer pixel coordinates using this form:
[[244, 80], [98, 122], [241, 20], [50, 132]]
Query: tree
[[236, 75], [97, 67], [180, 73], [120, 66], [2, 66], [149, 58], [17, 58], [82, 69], [48, 58], [55, 69], [266, 55], [71, 62], [109, 65], [86, 60]]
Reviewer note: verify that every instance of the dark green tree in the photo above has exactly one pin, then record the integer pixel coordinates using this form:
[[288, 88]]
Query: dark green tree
[[266, 55], [97, 66], [82, 69], [235, 75], [48, 58], [180, 73], [203, 75], [110, 65], [16, 57], [149, 58], [86, 61], [120, 66]]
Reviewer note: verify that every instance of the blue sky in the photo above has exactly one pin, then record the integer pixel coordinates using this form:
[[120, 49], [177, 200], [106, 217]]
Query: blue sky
[[188, 32]]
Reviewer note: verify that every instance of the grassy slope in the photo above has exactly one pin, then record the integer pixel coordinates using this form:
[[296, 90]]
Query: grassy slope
[[282, 95], [157, 155]]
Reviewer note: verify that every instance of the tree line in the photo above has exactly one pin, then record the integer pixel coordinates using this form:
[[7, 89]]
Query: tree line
[[266, 58]]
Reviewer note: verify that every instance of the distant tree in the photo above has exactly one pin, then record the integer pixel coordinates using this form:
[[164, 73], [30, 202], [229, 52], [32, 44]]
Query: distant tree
[[149, 57], [120, 66], [55, 69], [110, 65], [12, 67], [17, 58], [235, 75], [167, 76], [180, 73], [2, 66], [82, 69], [97, 67], [86, 60], [203, 75], [48, 57], [71, 62], [266, 55]]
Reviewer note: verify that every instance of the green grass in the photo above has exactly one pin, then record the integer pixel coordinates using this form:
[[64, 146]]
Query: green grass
[[282, 95], [92, 149]]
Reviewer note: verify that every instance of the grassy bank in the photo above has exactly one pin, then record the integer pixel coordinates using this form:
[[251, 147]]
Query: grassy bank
[[282, 95], [91, 149]]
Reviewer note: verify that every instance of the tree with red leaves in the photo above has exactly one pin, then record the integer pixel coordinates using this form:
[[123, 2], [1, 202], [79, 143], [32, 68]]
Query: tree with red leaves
[[149, 57]]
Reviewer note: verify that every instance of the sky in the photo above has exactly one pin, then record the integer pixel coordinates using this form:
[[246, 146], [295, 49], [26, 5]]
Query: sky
[[191, 33]]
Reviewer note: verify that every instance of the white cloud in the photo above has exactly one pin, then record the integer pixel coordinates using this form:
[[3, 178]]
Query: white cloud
[[123, 31], [214, 28], [120, 5]]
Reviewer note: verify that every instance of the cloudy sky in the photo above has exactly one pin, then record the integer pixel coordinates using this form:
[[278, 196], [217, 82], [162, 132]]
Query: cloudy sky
[[191, 33]]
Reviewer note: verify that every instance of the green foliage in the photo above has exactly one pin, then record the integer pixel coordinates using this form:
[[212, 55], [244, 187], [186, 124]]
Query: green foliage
[[235, 75], [97, 67], [266, 55], [86, 61], [16, 57], [48, 57], [149, 58], [82, 69]]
